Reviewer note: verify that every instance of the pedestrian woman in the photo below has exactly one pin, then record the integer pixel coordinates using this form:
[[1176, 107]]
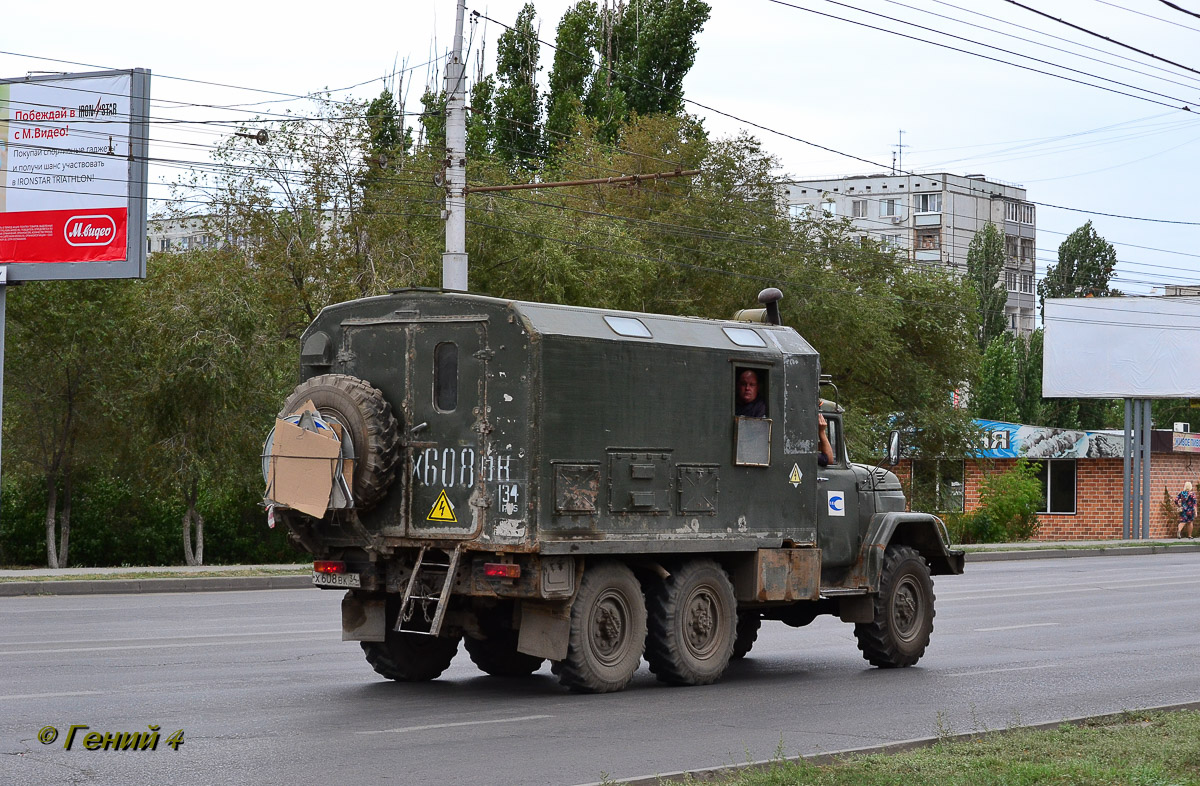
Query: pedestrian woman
[[1186, 501]]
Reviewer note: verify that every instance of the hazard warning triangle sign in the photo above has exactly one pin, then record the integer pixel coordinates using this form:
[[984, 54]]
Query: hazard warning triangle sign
[[442, 510]]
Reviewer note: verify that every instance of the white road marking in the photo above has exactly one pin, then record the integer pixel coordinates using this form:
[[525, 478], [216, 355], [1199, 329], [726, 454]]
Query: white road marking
[[1018, 627], [223, 636], [52, 695], [999, 671], [404, 729]]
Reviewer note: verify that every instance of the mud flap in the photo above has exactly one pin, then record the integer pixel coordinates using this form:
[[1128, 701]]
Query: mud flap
[[363, 618], [545, 630], [857, 608]]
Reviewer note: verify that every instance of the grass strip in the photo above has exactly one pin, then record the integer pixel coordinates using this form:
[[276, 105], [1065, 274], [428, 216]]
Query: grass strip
[[1141, 749]]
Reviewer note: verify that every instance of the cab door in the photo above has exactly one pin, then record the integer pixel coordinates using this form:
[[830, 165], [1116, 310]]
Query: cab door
[[446, 426], [837, 503]]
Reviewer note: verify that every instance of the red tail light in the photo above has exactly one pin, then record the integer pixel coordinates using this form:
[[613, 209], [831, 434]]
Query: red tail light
[[502, 570], [329, 566]]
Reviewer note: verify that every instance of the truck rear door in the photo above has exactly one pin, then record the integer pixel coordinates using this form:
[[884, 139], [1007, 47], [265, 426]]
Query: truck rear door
[[446, 412]]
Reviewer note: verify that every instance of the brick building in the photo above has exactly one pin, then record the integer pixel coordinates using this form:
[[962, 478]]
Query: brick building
[[1082, 475]]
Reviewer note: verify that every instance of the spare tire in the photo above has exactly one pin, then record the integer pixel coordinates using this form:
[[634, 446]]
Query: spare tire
[[368, 420]]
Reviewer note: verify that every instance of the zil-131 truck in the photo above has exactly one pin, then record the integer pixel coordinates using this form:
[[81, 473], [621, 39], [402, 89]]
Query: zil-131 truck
[[543, 482]]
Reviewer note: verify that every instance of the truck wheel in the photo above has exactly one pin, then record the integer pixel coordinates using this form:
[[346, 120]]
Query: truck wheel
[[748, 623], [903, 620], [497, 655], [608, 631], [410, 657], [367, 417], [693, 624]]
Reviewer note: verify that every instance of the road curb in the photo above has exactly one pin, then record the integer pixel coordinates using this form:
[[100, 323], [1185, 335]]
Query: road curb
[[230, 583], [134, 586], [1115, 551], [714, 773]]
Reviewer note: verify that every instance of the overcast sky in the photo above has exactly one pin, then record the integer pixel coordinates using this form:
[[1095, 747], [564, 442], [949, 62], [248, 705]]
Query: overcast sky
[[813, 78]]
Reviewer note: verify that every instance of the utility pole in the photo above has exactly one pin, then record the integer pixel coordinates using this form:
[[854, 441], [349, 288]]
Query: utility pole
[[454, 260]]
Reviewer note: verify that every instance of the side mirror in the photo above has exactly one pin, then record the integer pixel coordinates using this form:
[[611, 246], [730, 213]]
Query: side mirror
[[893, 449]]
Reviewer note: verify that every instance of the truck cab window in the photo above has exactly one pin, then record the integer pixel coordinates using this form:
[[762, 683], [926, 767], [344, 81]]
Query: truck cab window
[[445, 377], [750, 393]]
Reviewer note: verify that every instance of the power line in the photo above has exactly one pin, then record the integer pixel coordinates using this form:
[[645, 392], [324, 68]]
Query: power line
[[1104, 37]]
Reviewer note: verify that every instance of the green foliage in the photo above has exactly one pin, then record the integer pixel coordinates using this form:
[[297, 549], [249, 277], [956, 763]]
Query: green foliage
[[1085, 267], [995, 397], [518, 105], [1008, 505], [985, 266]]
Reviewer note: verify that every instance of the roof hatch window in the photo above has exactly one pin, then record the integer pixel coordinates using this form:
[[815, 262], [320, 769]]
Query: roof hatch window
[[628, 326], [744, 337]]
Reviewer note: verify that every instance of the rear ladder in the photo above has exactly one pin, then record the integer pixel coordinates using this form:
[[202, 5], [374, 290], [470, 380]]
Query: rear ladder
[[419, 594]]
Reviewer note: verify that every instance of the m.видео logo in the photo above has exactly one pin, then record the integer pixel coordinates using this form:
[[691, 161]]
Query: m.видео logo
[[96, 230]]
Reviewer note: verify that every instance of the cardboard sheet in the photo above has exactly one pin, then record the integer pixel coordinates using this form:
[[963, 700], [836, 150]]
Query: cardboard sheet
[[300, 472]]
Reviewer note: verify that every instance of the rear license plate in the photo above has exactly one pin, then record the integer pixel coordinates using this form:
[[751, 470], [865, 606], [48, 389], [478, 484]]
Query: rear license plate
[[351, 580]]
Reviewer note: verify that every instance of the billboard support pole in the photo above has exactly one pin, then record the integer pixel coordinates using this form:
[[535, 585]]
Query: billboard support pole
[[3, 318], [1146, 431], [1125, 520]]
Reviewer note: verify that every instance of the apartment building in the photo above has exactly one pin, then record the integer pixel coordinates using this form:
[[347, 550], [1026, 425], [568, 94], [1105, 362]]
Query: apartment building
[[932, 218]]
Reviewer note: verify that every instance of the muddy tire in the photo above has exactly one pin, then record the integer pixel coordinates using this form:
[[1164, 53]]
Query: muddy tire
[[903, 621], [748, 623], [410, 657], [608, 631], [693, 624], [497, 655], [367, 417]]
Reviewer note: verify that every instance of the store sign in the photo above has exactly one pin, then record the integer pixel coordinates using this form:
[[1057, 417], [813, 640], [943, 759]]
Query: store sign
[[73, 163], [1012, 440], [1182, 442]]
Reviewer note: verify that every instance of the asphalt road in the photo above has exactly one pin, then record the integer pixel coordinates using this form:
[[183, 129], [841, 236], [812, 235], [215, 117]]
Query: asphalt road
[[266, 693]]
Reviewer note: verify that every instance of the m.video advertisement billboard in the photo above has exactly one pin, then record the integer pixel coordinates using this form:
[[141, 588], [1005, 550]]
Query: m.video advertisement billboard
[[73, 160]]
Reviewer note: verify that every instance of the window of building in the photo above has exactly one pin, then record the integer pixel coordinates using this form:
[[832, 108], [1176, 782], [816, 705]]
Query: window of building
[[164, 244], [1027, 214], [1027, 282], [1012, 322], [800, 211], [889, 207], [1058, 482], [1010, 280], [937, 485], [929, 203], [1010, 246], [829, 208], [858, 208], [889, 242], [1012, 211], [929, 240], [1027, 249]]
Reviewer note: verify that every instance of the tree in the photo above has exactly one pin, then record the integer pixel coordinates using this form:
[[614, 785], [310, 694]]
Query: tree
[[207, 375], [1085, 267], [518, 105], [995, 396], [985, 264], [572, 70], [655, 49], [63, 347]]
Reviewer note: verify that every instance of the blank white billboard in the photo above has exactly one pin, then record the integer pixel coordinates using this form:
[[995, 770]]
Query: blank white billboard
[[1122, 347]]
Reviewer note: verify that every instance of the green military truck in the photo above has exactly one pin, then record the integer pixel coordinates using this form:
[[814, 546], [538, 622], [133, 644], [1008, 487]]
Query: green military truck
[[543, 482]]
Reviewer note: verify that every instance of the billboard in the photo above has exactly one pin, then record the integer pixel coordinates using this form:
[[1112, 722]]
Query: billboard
[[73, 162], [1121, 347]]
